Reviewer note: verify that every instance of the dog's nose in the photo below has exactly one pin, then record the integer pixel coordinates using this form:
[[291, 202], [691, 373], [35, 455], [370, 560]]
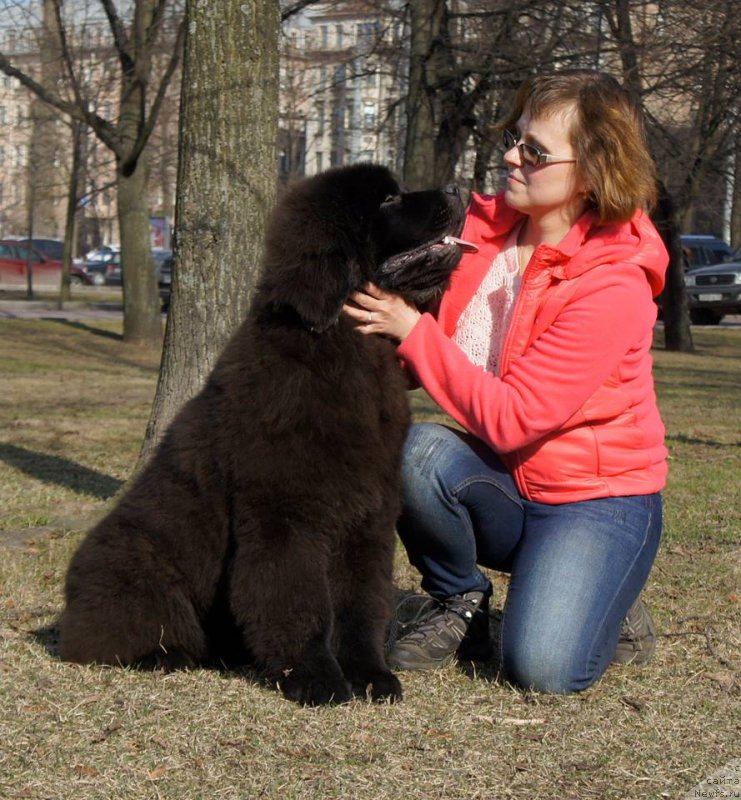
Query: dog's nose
[[451, 188]]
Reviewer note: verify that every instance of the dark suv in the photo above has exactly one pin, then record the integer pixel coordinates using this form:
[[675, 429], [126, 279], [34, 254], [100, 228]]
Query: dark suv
[[700, 250], [713, 291]]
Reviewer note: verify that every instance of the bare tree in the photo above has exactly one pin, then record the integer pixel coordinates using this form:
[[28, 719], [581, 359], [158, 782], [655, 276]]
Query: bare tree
[[632, 52], [226, 186], [136, 42], [73, 199]]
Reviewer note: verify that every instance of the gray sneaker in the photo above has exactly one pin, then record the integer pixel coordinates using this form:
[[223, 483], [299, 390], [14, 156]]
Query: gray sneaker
[[637, 641], [457, 625]]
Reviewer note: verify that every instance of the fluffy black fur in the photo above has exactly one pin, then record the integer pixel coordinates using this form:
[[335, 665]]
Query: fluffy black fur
[[265, 519]]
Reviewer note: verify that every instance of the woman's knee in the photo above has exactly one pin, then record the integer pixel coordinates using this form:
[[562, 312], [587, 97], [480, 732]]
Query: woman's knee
[[548, 666], [427, 454]]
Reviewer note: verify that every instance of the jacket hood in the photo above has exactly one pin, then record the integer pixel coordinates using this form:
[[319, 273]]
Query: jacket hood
[[587, 244]]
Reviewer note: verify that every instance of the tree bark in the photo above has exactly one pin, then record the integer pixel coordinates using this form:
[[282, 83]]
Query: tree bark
[[45, 145], [69, 224], [736, 198], [426, 19], [226, 187], [142, 322], [674, 310]]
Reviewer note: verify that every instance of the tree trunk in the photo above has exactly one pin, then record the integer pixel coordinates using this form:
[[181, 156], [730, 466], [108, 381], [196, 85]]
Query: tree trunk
[[69, 225], [426, 18], [736, 195], [142, 323], [677, 331], [226, 187], [45, 147]]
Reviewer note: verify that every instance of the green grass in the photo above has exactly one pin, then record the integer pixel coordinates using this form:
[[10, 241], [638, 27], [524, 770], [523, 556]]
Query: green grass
[[73, 409]]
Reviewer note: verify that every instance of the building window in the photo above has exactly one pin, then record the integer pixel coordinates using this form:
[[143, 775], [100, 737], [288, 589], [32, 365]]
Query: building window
[[339, 33], [320, 118], [319, 162], [369, 115], [324, 30]]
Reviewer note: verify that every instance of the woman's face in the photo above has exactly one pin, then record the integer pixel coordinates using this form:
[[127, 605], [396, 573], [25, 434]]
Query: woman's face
[[549, 188]]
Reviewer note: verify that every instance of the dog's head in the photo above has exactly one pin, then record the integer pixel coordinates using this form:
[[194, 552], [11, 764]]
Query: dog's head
[[331, 234]]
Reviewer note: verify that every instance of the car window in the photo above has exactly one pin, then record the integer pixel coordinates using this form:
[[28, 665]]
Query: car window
[[6, 251], [694, 255], [23, 253]]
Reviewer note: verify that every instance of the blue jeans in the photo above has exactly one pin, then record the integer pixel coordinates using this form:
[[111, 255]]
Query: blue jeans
[[575, 568]]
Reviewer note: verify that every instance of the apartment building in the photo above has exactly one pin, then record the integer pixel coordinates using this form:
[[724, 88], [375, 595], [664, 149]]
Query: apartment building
[[343, 72], [36, 141], [343, 84]]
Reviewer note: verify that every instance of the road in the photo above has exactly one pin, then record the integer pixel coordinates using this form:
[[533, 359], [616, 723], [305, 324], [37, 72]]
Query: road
[[91, 309]]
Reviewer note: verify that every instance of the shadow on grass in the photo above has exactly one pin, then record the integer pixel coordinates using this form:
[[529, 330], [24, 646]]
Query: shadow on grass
[[60, 471], [85, 328], [682, 439], [48, 638]]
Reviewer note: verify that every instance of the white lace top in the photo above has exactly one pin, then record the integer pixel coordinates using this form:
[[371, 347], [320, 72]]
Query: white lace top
[[482, 326]]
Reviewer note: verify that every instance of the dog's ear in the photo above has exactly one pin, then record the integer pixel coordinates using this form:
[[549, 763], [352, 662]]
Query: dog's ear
[[318, 287]]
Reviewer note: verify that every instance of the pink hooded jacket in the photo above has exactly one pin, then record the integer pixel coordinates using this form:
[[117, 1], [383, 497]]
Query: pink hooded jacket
[[573, 415]]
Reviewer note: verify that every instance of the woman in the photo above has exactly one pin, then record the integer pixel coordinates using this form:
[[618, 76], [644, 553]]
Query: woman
[[540, 351]]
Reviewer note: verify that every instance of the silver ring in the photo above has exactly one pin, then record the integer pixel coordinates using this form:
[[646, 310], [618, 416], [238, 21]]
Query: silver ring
[[370, 318]]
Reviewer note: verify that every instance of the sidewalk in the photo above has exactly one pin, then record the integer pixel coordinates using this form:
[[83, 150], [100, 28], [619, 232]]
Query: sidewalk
[[48, 309]]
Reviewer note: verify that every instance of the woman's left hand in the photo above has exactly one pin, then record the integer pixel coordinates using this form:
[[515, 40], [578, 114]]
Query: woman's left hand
[[378, 311]]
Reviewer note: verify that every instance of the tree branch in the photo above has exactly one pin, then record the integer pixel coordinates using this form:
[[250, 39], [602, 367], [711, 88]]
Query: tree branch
[[120, 37], [151, 119], [103, 128], [66, 55], [297, 7]]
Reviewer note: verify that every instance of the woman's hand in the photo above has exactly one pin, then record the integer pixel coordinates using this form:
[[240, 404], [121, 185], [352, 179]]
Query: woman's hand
[[379, 311]]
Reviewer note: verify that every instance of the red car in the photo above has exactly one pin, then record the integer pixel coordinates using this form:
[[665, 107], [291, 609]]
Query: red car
[[46, 272]]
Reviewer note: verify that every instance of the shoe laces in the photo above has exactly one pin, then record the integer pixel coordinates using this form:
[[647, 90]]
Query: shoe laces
[[453, 615]]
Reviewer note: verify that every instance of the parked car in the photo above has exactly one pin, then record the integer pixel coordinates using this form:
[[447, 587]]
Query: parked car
[[105, 252], [52, 249], [107, 271], [78, 276], [701, 250], [96, 270], [164, 279], [14, 259], [713, 291]]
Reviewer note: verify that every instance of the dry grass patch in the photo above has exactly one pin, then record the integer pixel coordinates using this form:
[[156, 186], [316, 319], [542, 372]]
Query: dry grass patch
[[73, 411]]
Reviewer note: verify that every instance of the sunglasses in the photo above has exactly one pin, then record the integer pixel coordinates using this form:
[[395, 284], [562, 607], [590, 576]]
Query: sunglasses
[[531, 155]]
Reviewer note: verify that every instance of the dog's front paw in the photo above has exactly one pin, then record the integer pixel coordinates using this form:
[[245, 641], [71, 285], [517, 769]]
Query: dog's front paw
[[313, 689], [378, 686]]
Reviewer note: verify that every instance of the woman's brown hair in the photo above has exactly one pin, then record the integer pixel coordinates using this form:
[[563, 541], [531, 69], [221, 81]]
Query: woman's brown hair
[[607, 133]]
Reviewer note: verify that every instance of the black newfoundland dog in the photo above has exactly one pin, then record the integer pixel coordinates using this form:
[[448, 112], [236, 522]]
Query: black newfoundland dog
[[263, 526]]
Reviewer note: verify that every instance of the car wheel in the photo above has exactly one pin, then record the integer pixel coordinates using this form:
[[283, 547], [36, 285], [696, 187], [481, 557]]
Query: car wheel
[[98, 279], [704, 316], [75, 280]]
